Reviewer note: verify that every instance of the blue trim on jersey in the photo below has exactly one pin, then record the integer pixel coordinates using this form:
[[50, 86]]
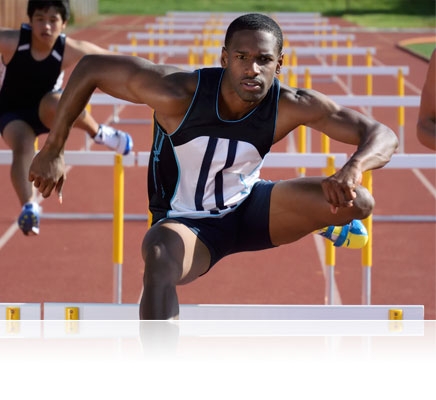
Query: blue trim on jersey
[[217, 103], [158, 142], [189, 108]]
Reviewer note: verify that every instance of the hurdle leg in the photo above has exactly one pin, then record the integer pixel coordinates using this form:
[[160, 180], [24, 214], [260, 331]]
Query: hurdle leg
[[367, 250], [118, 227], [330, 253], [366, 285]]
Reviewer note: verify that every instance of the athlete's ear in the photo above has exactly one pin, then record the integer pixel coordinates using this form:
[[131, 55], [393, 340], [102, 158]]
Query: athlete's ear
[[224, 57], [279, 63]]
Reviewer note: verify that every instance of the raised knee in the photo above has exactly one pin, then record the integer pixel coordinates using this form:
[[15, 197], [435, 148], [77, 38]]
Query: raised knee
[[155, 260], [363, 203], [160, 266]]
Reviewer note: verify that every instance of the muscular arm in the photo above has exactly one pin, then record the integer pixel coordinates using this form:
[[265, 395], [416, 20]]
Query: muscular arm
[[168, 90], [76, 49], [426, 126], [375, 143], [165, 89]]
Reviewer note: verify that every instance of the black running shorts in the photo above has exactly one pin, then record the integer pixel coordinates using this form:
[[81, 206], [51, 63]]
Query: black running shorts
[[244, 229]]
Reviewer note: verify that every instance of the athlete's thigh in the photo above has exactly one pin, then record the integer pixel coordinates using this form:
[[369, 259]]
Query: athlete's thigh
[[19, 136], [48, 106], [182, 245], [298, 207]]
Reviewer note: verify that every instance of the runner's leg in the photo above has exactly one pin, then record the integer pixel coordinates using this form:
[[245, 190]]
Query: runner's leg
[[298, 207], [20, 138], [47, 110], [173, 255]]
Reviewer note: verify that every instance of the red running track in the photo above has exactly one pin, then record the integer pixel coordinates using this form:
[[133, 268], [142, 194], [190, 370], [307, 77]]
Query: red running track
[[71, 260]]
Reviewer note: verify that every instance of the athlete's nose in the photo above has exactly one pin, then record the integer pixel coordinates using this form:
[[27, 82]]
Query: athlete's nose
[[252, 68]]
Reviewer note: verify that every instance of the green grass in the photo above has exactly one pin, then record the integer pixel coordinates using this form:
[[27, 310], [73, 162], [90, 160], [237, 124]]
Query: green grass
[[422, 49], [367, 13]]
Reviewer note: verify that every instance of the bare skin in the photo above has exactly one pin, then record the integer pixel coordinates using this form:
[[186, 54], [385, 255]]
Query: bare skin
[[426, 126], [173, 255], [46, 25]]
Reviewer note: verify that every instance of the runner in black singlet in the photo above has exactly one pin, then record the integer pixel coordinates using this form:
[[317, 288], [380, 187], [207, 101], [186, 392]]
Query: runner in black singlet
[[34, 59], [213, 128]]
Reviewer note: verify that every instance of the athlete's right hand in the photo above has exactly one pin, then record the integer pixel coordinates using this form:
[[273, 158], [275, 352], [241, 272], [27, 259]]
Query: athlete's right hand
[[47, 172]]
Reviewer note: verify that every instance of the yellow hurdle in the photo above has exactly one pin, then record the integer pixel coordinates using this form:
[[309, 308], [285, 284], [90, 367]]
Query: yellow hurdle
[[13, 313], [302, 147], [349, 55], [134, 43], [369, 85], [395, 314], [325, 148], [286, 54], [367, 250], [334, 45], [294, 61], [401, 110], [330, 252], [118, 226], [71, 313], [151, 44]]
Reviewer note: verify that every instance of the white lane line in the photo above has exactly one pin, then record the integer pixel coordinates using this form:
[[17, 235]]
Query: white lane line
[[426, 183], [8, 234]]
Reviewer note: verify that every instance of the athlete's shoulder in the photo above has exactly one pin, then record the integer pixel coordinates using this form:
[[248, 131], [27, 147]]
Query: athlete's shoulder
[[9, 39], [303, 97]]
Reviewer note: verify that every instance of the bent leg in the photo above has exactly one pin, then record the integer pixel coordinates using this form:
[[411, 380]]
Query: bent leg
[[47, 111], [173, 255], [20, 138], [298, 207]]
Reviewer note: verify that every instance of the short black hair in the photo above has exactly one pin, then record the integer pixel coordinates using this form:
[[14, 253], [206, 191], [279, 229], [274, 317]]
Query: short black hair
[[255, 22], [61, 6]]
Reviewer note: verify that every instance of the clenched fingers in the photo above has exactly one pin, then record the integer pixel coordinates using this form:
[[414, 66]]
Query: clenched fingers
[[338, 195]]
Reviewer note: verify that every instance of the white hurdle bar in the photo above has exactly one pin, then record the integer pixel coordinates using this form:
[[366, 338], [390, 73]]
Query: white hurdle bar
[[106, 311], [71, 311], [183, 50], [82, 158], [228, 18], [235, 14], [17, 311], [337, 70], [272, 160], [422, 161], [344, 100], [202, 27], [346, 70], [192, 36]]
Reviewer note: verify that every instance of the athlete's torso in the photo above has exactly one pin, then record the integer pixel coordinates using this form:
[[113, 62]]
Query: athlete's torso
[[27, 80], [208, 165]]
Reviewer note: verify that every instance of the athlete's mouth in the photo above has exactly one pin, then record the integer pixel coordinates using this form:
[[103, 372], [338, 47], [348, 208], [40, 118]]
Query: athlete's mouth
[[251, 84]]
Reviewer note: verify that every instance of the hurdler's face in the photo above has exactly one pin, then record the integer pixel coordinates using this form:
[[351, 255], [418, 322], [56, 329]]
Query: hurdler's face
[[251, 61], [47, 25]]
